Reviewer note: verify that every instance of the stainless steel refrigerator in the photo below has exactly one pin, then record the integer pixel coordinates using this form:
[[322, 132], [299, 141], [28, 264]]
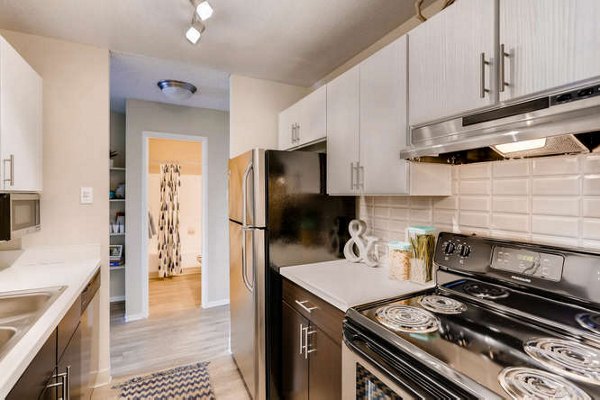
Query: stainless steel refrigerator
[[279, 215]]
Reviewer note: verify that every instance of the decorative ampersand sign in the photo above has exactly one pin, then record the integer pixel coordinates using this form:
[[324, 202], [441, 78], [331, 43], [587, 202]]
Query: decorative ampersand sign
[[355, 248]]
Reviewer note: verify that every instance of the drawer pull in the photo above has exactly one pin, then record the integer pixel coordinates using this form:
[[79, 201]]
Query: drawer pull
[[303, 305]]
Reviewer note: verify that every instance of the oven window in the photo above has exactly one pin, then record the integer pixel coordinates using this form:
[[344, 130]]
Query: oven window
[[369, 387]]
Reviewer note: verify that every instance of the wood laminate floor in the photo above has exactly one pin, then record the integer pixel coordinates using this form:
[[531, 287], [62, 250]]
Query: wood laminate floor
[[178, 332]]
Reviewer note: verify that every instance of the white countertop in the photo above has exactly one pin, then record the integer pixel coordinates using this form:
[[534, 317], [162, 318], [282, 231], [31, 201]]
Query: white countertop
[[37, 268], [344, 284]]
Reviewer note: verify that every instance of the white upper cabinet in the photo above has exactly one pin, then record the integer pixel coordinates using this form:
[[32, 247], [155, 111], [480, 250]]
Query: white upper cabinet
[[304, 122], [383, 114], [343, 133], [549, 43], [452, 62], [20, 122]]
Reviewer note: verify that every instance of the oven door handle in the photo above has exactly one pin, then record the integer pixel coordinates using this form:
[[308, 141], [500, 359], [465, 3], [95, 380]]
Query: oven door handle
[[362, 348]]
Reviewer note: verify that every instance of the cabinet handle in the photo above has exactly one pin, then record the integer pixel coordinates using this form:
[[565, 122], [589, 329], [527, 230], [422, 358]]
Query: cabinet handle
[[503, 56], [301, 335], [292, 132], [307, 351], [11, 161], [307, 309], [62, 382], [361, 176], [482, 65], [297, 132], [352, 176]]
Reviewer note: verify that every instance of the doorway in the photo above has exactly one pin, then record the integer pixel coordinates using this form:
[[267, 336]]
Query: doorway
[[174, 187]]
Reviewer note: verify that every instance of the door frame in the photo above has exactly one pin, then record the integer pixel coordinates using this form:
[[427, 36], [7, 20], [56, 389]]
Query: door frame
[[146, 136]]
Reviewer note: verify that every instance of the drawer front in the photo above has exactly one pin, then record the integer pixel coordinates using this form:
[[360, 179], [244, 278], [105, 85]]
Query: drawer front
[[328, 318]]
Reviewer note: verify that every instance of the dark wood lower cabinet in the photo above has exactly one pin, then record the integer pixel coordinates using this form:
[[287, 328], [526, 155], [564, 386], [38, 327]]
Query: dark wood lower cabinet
[[61, 369], [310, 347]]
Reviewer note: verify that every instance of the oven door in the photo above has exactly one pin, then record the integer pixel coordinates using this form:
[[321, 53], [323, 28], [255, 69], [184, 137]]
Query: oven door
[[361, 380]]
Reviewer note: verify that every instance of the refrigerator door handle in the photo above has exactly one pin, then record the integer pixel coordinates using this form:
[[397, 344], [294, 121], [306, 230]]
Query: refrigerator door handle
[[244, 262], [249, 169]]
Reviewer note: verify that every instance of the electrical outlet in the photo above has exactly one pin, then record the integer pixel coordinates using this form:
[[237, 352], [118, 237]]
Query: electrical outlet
[[87, 195]]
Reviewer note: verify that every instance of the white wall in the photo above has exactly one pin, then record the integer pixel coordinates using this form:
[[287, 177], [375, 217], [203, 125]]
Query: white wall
[[190, 219], [76, 136], [254, 105], [551, 200], [143, 116]]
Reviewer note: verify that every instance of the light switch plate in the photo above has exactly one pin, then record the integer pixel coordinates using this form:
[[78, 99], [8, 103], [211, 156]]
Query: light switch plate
[[87, 195]]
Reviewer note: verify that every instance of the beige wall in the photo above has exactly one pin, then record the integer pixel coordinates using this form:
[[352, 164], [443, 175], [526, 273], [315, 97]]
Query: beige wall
[[76, 145], [143, 116], [254, 105]]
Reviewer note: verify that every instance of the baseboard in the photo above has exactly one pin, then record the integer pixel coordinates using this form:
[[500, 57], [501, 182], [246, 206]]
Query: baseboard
[[216, 303], [101, 378], [186, 271], [135, 317], [116, 299]]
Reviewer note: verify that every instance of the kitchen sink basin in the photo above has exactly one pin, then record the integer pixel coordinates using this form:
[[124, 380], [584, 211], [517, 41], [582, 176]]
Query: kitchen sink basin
[[19, 310]]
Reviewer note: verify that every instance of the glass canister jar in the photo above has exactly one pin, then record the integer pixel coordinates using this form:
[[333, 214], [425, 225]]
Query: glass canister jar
[[422, 240], [399, 255]]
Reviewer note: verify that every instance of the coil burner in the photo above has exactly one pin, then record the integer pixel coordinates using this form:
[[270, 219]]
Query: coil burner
[[407, 319]]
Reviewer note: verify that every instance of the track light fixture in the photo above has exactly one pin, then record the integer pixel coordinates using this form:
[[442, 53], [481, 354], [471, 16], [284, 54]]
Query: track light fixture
[[195, 30], [202, 12]]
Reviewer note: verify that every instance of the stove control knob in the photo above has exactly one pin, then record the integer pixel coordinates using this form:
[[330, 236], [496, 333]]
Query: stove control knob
[[465, 250], [449, 249]]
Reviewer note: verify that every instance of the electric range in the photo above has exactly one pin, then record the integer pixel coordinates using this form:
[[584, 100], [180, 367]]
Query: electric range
[[506, 320]]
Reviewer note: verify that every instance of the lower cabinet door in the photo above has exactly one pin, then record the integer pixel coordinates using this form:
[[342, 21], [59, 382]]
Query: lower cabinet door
[[32, 384], [71, 363], [294, 374], [324, 366]]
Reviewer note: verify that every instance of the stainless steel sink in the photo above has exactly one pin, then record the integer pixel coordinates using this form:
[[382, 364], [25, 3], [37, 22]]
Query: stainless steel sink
[[19, 310]]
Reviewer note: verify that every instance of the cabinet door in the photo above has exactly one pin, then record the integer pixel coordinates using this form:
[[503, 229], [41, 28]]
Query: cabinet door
[[20, 122], [286, 126], [383, 121], [313, 117], [445, 61], [343, 133], [33, 381], [550, 43], [71, 363], [294, 374], [324, 366]]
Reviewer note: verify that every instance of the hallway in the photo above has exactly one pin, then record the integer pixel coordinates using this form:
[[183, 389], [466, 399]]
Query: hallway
[[173, 336]]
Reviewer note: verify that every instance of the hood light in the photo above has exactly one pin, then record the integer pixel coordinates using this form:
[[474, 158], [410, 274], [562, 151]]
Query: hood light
[[524, 145]]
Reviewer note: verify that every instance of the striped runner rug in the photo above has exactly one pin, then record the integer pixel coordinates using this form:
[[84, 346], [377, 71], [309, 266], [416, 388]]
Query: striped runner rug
[[188, 382]]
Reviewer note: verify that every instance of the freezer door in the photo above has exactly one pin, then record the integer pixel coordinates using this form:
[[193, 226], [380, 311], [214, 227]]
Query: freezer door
[[247, 188], [247, 307]]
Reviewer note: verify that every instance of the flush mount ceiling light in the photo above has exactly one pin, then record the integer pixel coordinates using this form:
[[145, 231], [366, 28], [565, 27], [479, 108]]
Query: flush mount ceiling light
[[176, 90], [203, 9], [195, 30]]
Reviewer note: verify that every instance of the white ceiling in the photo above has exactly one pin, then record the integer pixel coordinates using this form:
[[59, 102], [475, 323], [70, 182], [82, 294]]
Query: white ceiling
[[133, 76], [292, 41]]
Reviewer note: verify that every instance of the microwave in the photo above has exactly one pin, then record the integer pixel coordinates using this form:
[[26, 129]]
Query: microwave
[[19, 215]]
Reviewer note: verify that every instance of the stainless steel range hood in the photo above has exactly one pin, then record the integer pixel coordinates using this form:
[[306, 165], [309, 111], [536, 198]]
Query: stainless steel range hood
[[562, 123]]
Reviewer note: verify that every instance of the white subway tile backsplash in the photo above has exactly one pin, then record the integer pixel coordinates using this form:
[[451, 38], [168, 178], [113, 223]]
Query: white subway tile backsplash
[[549, 166], [474, 187], [474, 219], [504, 169], [553, 200], [473, 203], [511, 222], [591, 164], [555, 226], [591, 185], [591, 228], [518, 205], [591, 207], [511, 187], [568, 206], [478, 170], [447, 203], [564, 186]]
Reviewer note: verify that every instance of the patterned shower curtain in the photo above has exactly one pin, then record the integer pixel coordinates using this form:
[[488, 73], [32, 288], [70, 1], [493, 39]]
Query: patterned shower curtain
[[169, 244]]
